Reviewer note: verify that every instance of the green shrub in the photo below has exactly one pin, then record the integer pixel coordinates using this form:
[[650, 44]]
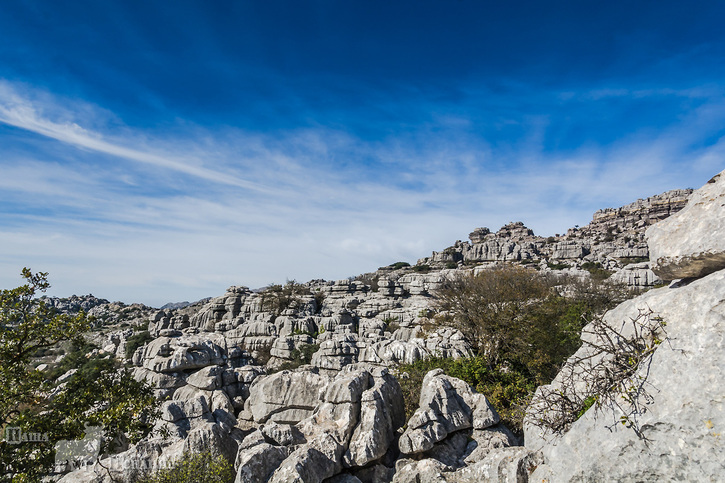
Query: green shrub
[[369, 279], [521, 327], [630, 260], [77, 358], [596, 270], [451, 265], [277, 298], [557, 266], [195, 468], [319, 300], [508, 390], [136, 341], [300, 357], [399, 265], [421, 268]]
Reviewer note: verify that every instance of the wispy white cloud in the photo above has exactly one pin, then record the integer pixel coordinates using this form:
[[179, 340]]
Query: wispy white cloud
[[322, 210], [19, 111]]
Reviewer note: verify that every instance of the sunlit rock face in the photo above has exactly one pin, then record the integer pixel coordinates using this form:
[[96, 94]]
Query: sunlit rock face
[[691, 243], [339, 416], [680, 406]]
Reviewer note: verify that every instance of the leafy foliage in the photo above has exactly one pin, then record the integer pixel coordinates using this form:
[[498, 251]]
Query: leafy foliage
[[98, 392], [557, 266], [596, 270], [523, 326], [277, 298], [399, 265], [195, 468]]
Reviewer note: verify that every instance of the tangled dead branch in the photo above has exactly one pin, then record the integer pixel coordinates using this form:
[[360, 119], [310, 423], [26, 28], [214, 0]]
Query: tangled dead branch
[[611, 370]]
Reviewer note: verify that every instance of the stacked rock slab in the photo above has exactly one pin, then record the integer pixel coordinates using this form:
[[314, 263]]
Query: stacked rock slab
[[351, 425], [454, 436], [682, 423], [614, 240]]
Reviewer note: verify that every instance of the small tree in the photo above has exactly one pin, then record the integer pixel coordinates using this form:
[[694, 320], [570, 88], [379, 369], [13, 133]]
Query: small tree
[[277, 298], [524, 325], [32, 404], [488, 308]]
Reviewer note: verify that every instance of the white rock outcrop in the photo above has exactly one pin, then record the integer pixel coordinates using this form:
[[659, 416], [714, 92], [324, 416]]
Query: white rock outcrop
[[675, 400], [691, 242]]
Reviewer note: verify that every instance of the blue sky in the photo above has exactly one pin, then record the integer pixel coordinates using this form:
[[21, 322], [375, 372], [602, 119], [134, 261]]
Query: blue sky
[[159, 151]]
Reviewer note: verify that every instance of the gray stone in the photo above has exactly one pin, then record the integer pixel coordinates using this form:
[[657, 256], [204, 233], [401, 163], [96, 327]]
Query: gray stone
[[381, 413], [685, 415], [285, 397], [317, 460], [691, 242], [447, 405], [257, 463], [282, 434]]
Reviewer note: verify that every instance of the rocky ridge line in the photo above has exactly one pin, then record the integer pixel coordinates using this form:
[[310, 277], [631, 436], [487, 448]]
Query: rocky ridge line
[[338, 419]]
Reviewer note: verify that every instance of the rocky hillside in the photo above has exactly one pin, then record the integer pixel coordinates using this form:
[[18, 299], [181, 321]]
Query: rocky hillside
[[339, 418], [664, 422]]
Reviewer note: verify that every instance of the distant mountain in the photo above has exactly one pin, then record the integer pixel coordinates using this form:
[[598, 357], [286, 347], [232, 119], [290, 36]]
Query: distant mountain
[[181, 305]]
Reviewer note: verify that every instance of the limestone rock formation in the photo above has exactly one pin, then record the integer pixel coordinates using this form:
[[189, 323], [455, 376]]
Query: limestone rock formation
[[666, 421], [613, 241], [691, 243], [454, 437], [352, 425], [447, 405], [336, 413]]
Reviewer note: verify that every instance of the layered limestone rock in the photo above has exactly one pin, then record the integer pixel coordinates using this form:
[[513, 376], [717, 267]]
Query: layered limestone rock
[[338, 416], [666, 421], [447, 405], [454, 436], [691, 243], [285, 397], [352, 424], [614, 239]]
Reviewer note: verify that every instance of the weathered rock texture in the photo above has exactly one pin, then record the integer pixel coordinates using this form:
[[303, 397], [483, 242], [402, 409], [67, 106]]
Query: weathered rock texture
[[691, 243], [682, 426], [454, 437], [613, 240], [681, 403], [339, 416]]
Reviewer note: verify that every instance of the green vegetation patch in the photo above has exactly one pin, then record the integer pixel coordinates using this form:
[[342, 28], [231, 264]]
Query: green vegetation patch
[[136, 341], [522, 324], [195, 468], [399, 265]]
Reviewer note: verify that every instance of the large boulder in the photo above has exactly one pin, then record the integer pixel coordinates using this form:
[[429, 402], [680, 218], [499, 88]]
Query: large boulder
[[681, 402], [690, 243], [353, 424], [447, 405], [285, 397]]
